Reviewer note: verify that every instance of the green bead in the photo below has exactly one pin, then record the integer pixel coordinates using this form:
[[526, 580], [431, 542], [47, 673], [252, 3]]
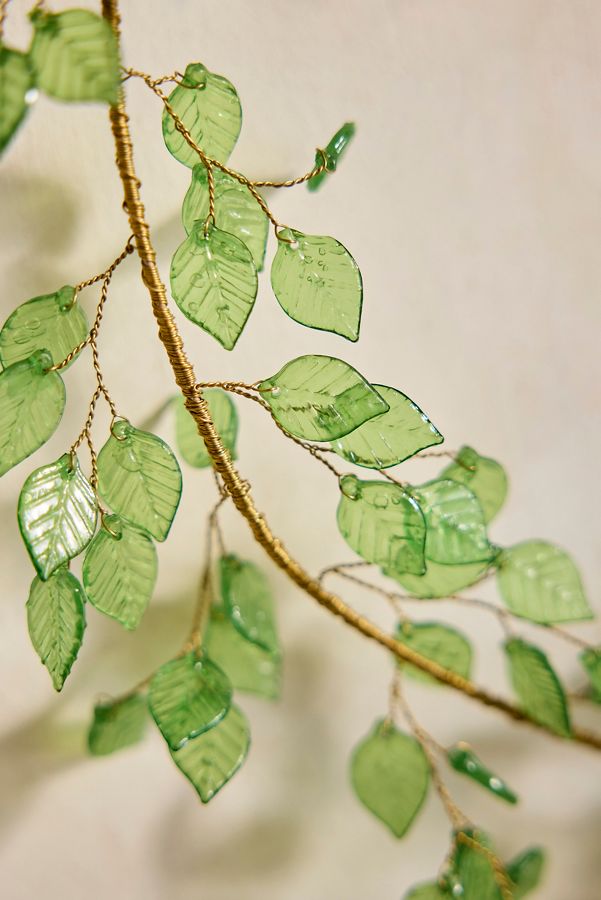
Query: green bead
[[225, 418], [440, 644], [57, 514], [317, 283], [209, 108], [16, 80], [484, 476], [456, 531], [333, 152], [117, 724], [54, 322], [56, 622], [139, 477], [248, 667], [248, 602], [439, 580], [537, 686], [465, 761], [214, 283], [31, 406]]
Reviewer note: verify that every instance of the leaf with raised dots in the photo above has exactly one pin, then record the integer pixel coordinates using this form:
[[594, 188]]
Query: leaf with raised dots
[[16, 79], [463, 759], [248, 667], [440, 644], [117, 724], [248, 601], [56, 622], [53, 322], [190, 444], [485, 477], [455, 527], [537, 687], [439, 580]]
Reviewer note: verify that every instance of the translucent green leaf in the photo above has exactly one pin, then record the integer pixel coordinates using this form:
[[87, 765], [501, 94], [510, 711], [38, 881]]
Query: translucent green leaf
[[464, 760], [439, 580], [248, 601], [209, 107], [15, 81], [52, 322], [140, 478], [188, 696], [75, 56], [56, 622], [236, 210], [430, 891], [440, 643], [212, 759], [120, 571], [537, 686], [57, 514], [333, 151], [117, 724], [318, 283], [248, 667], [475, 873], [390, 776], [590, 660], [526, 870], [190, 444], [389, 439], [540, 582], [31, 406], [455, 527], [484, 476], [214, 283], [381, 522], [320, 398]]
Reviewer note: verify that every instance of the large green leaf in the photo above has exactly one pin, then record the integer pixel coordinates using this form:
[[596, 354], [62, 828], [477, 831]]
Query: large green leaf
[[537, 686], [52, 322], [440, 643], [320, 398], [56, 622], [484, 476], [209, 108], [463, 759], [214, 282], [190, 444], [526, 870], [334, 150], [439, 580], [591, 663], [455, 527], [31, 405], [15, 81], [117, 724], [540, 582], [475, 873], [389, 439], [248, 667], [57, 514], [390, 776], [318, 283], [212, 759], [140, 478], [248, 601], [188, 696], [75, 56], [381, 522]]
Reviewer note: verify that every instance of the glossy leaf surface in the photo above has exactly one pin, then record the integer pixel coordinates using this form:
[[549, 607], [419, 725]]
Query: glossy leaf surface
[[537, 686], [15, 80], [526, 871], [248, 601], [440, 643], [56, 622], [438, 580], [591, 663], [484, 476], [464, 760], [52, 322], [189, 443], [475, 873], [455, 527], [117, 724], [248, 667], [334, 150]]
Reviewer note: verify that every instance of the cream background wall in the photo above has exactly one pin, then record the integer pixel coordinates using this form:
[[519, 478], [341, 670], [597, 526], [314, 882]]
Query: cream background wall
[[470, 199]]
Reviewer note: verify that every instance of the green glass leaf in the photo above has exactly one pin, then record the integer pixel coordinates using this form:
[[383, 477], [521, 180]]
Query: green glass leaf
[[74, 55], [212, 759], [430, 891], [540, 582], [209, 107], [334, 151], [383, 523], [190, 444], [57, 514], [56, 622], [464, 760], [317, 282], [120, 571], [188, 696], [389, 439], [455, 527], [117, 724], [475, 873], [214, 283], [526, 870], [438, 580], [440, 643], [590, 660], [484, 476], [140, 478], [236, 210], [390, 776], [16, 79], [248, 667], [52, 322], [537, 686], [320, 398], [248, 601], [31, 406]]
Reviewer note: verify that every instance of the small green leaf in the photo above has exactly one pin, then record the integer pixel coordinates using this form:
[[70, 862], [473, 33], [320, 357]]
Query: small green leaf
[[52, 322], [248, 667], [140, 478], [209, 108], [430, 891], [390, 776], [464, 760], [212, 759], [317, 282], [236, 210], [190, 444], [389, 439], [485, 477], [320, 398], [214, 282], [117, 724], [438, 580], [333, 151], [188, 696], [591, 663], [75, 56], [475, 873], [248, 602], [383, 523], [540, 582], [57, 514], [120, 571], [56, 622], [455, 527], [526, 870], [537, 686], [440, 643], [31, 406], [16, 79]]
